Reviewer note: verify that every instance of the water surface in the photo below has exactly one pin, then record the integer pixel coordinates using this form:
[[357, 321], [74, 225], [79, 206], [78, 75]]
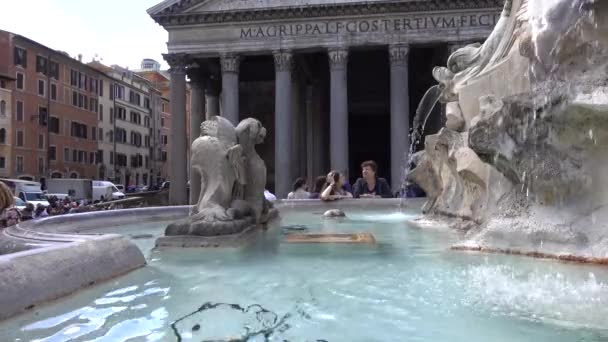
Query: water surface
[[407, 287]]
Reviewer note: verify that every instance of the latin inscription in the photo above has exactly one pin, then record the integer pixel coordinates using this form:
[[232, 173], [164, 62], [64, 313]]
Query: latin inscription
[[412, 23]]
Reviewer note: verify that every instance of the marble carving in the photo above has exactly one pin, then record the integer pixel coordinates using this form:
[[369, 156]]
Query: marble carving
[[233, 179]]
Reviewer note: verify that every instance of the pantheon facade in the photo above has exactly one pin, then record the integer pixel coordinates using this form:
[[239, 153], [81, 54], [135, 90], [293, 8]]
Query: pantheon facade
[[335, 82]]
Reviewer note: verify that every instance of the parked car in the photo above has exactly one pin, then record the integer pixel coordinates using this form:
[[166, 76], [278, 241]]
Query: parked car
[[165, 185], [105, 190]]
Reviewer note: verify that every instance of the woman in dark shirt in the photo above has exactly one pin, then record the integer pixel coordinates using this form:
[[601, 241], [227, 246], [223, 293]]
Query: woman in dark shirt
[[371, 186]]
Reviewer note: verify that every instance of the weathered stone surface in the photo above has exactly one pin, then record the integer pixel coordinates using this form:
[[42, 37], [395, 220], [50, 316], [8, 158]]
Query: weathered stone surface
[[233, 180], [453, 114]]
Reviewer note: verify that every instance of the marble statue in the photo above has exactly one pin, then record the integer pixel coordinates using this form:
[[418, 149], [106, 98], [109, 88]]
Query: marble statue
[[519, 163], [233, 179]]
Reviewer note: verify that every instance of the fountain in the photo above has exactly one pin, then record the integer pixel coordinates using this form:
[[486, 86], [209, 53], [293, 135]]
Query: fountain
[[519, 163], [517, 169]]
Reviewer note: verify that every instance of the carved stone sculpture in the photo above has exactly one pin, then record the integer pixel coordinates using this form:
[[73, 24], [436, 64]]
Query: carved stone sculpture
[[233, 178], [522, 160]]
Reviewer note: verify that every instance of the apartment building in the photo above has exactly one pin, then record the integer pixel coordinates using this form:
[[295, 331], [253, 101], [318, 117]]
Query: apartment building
[[54, 104], [5, 123]]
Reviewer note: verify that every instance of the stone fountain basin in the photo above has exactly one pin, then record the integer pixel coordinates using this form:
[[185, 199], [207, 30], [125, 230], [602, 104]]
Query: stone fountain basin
[[42, 260]]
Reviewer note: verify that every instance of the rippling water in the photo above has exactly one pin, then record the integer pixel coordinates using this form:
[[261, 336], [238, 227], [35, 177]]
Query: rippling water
[[408, 287]]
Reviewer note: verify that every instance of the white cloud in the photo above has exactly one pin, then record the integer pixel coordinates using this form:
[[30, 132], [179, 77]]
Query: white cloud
[[118, 31]]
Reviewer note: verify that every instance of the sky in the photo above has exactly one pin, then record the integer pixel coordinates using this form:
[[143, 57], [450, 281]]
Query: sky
[[112, 31]]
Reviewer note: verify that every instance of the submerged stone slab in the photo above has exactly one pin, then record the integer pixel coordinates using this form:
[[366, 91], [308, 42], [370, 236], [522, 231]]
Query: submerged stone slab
[[359, 238]]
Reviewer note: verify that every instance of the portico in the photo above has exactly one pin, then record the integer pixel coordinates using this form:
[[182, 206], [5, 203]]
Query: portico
[[300, 67]]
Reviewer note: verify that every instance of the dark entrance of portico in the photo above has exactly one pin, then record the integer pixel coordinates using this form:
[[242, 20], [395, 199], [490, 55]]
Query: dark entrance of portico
[[369, 110]]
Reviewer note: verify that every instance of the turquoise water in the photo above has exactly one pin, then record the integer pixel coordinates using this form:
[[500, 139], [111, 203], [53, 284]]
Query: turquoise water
[[407, 287]]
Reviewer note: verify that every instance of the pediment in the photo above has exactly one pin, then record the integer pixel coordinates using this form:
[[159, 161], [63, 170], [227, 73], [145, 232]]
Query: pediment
[[173, 7], [189, 12]]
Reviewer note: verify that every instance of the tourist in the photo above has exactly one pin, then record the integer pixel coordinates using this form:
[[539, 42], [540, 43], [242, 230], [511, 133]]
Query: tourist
[[319, 186], [334, 188], [28, 212], [9, 215], [370, 186], [40, 211], [299, 190]]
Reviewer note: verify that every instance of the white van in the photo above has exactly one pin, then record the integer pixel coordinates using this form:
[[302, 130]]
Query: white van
[[27, 191], [106, 189]]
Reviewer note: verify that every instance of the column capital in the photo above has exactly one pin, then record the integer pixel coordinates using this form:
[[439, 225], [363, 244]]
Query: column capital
[[283, 60], [230, 63], [338, 57], [398, 54], [177, 62]]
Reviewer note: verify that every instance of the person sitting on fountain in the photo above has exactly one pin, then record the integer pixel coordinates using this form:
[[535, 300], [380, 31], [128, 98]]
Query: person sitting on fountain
[[9, 215], [319, 186], [370, 186], [334, 188], [299, 190]]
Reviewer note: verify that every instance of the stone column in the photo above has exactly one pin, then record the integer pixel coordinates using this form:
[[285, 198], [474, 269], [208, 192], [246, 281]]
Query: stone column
[[400, 113], [283, 129], [212, 98], [230, 87], [197, 114], [338, 61], [179, 161]]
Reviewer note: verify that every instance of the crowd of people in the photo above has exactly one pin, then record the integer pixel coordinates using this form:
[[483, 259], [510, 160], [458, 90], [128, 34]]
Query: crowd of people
[[11, 215], [335, 186]]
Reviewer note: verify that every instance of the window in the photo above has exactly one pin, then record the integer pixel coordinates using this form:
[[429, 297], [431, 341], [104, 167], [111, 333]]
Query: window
[[147, 164], [112, 91], [163, 156], [20, 57], [100, 112], [93, 105], [40, 166], [41, 65], [164, 107], [100, 134], [74, 99], [19, 141], [54, 70], [43, 116], [74, 78], [111, 135], [19, 111], [40, 141], [54, 92], [3, 84], [74, 156], [80, 100], [93, 133], [121, 135], [138, 99], [146, 121], [3, 108], [2, 136], [54, 125], [162, 122], [100, 87], [20, 81], [147, 102], [19, 164], [99, 157], [111, 158], [147, 141], [111, 115], [2, 163], [52, 153], [92, 157], [164, 137], [66, 155], [79, 130], [41, 87]]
